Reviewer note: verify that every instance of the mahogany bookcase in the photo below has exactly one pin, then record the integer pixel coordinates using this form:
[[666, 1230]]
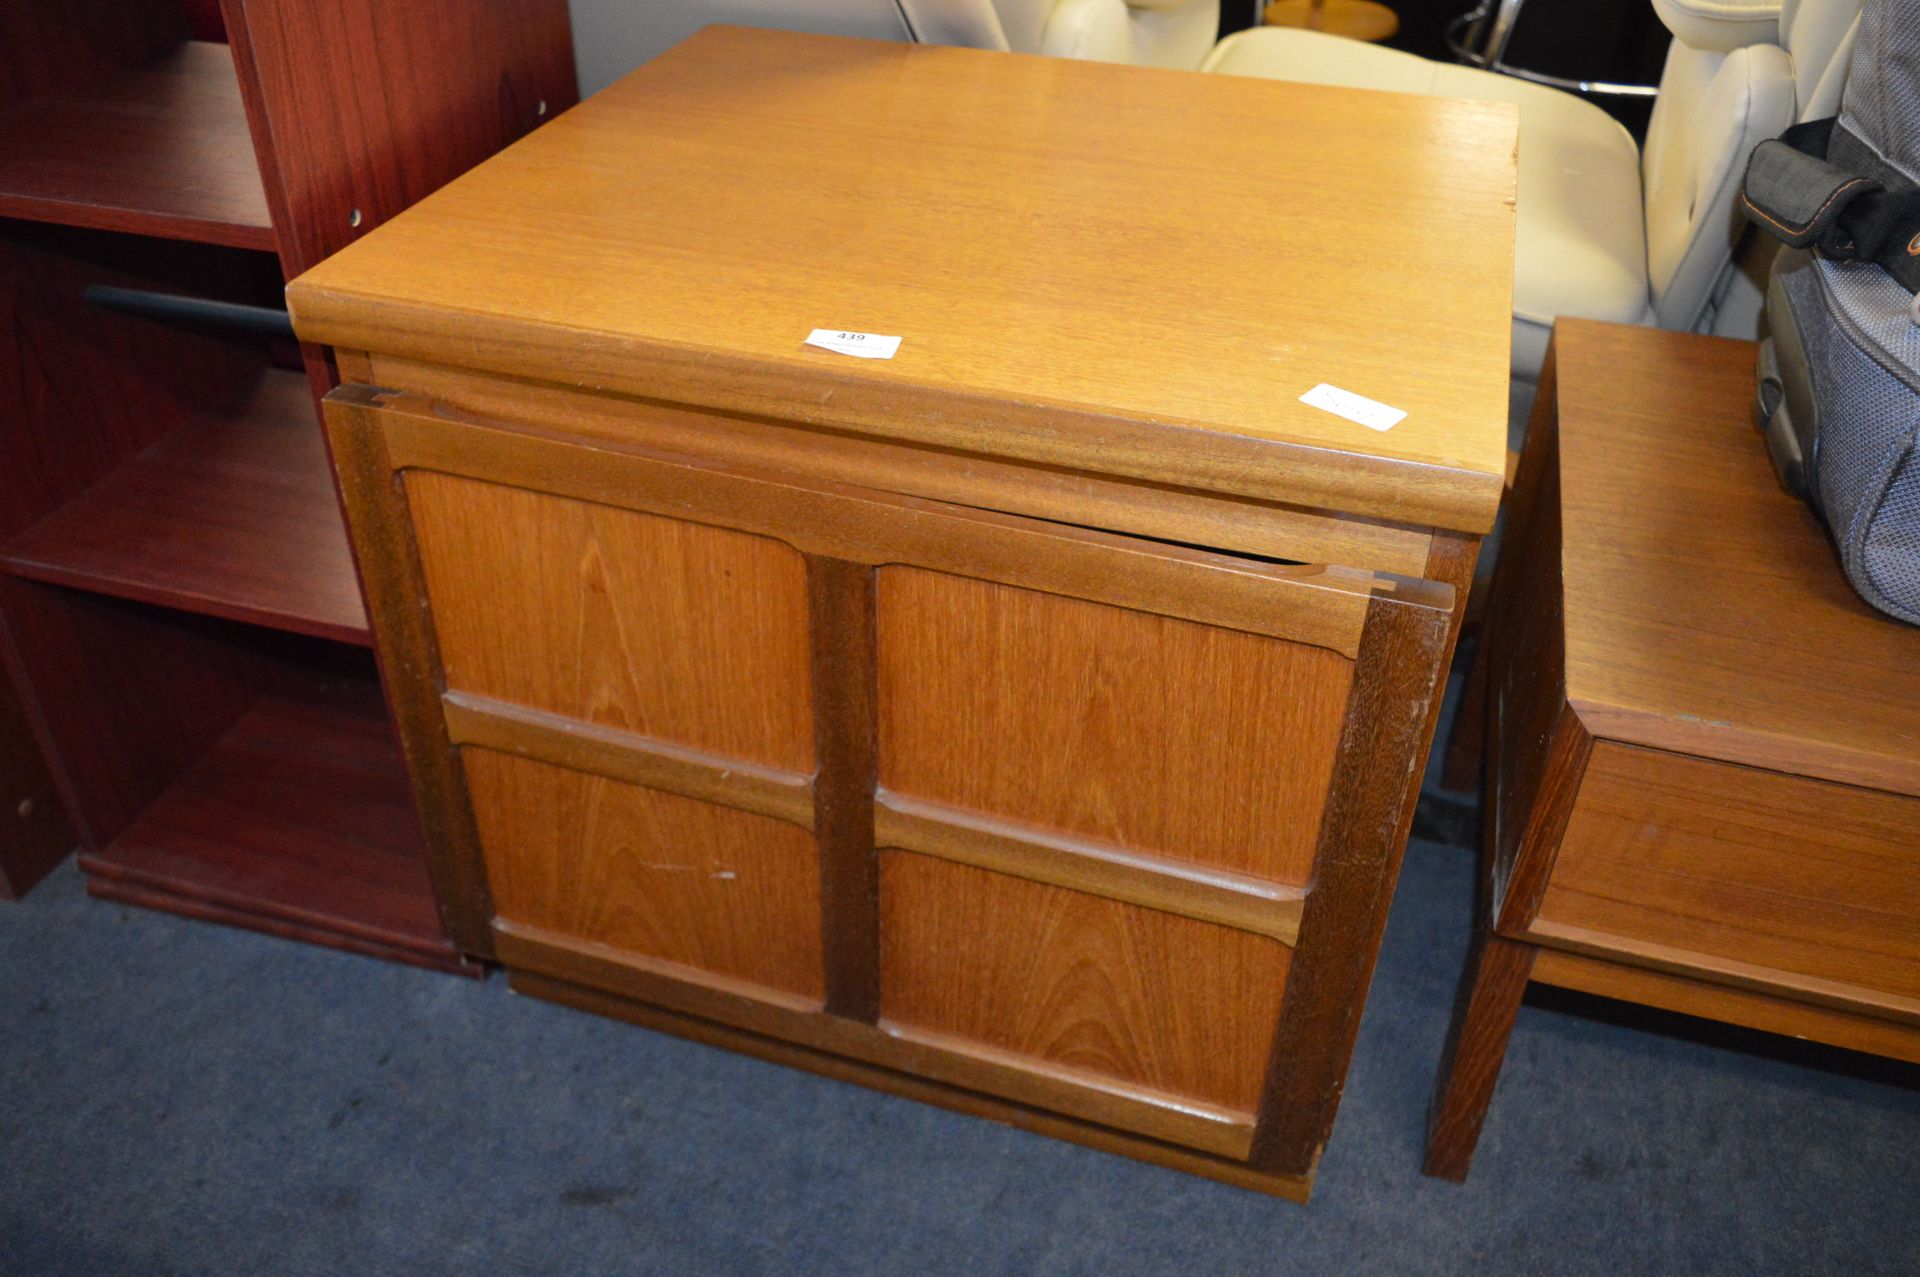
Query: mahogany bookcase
[[179, 610]]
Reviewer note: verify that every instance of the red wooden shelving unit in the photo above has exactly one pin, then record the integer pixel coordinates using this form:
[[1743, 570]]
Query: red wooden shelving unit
[[179, 612]]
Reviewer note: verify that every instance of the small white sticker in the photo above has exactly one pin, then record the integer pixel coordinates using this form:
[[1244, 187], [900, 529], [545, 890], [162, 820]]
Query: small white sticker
[[862, 345], [1355, 408]]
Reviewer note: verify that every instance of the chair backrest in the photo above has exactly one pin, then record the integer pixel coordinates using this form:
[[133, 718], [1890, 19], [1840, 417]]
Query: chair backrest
[[1167, 33], [1739, 71]]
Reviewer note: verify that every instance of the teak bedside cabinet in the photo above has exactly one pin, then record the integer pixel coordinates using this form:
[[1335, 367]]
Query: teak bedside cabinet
[[1028, 722], [1702, 749]]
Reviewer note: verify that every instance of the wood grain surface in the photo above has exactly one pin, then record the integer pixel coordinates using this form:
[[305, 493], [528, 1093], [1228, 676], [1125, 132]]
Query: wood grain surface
[[1324, 606], [360, 106], [628, 757], [649, 873], [1706, 611], [1275, 672], [690, 634], [233, 516], [408, 653], [140, 465], [83, 46], [1363, 835], [723, 169], [35, 833], [1750, 1007], [840, 602], [1140, 731], [1536, 747], [1010, 601], [915, 1072], [1101, 869], [86, 388], [1660, 589], [127, 696], [1484, 1010], [962, 474], [159, 149], [298, 821], [1092, 985], [1093, 1097], [1804, 876]]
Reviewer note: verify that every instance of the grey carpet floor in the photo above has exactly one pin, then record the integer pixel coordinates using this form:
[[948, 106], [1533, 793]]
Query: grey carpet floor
[[182, 1098]]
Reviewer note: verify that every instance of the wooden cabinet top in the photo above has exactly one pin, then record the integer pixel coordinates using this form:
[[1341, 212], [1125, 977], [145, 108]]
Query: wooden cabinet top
[[1110, 268], [1706, 611]]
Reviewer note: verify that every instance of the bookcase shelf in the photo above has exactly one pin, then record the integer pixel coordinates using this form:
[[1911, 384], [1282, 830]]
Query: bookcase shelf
[[234, 515], [297, 821], [162, 150]]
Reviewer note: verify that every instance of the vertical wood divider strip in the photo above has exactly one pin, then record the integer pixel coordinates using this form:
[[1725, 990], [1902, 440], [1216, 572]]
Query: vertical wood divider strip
[[840, 598], [381, 534], [1376, 780]]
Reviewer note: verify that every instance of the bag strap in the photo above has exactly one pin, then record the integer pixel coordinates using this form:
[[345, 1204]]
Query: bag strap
[[1819, 186]]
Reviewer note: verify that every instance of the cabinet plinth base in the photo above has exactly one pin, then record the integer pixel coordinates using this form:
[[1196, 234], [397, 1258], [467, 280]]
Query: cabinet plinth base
[[1295, 1188]]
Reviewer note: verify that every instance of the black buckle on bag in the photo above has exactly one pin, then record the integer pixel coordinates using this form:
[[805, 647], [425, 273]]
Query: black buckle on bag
[[1818, 186]]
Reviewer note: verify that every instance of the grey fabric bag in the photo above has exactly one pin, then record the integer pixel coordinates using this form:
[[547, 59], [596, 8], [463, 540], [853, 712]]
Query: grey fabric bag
[[1840, 372]]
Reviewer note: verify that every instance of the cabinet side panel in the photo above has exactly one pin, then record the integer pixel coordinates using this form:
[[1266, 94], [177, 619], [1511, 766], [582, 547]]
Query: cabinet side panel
[[361, 108], [689, 634], [1536, 746], [37, 833], [1142, 731], [84, 388], [68, 48], [649, 873], [128, 696]]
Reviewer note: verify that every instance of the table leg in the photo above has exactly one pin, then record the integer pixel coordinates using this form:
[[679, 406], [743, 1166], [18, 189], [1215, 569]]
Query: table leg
[[1460, 770], [1483, 1015]]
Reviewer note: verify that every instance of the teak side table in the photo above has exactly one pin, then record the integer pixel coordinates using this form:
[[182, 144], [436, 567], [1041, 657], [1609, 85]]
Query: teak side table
[[1702, 749], [1028, 722]]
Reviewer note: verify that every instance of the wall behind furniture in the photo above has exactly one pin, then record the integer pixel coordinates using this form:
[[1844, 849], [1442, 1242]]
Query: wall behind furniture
[[612, 37]]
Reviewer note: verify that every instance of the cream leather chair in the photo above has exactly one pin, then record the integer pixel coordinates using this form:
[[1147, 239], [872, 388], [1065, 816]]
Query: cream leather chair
[[1604, 231], [1161, 33]]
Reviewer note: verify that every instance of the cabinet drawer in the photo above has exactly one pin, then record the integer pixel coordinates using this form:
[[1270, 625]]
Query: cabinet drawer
[[1751, 875]]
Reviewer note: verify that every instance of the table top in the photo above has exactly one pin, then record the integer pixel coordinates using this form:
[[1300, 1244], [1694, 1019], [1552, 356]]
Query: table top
[[1118, 268], [1706, 610]]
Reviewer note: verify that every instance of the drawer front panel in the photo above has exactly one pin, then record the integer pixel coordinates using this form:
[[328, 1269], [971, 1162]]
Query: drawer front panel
[[1697, 862], [1145, 732], [678, 631], [1064, 980], [651, 874]]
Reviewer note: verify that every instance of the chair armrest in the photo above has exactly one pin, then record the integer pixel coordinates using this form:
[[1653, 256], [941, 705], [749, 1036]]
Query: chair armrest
[[1721, 26], [1167, 33]]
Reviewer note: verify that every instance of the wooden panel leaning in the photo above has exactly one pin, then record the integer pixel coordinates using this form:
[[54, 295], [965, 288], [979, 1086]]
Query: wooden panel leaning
[[1032, 736], [1703, 778]]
